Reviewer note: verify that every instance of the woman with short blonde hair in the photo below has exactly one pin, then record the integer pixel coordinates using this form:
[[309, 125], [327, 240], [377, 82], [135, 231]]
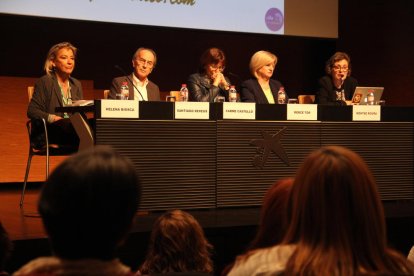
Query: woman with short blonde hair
[[261, 89]]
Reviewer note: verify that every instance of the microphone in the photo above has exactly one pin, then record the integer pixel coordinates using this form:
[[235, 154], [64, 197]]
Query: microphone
[[129, 79]]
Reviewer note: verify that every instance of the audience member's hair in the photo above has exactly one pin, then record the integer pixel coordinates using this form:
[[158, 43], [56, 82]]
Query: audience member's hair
[[212, 56], [88, 204], [6, 247], [273, 219], [337, 220], [177, 244]]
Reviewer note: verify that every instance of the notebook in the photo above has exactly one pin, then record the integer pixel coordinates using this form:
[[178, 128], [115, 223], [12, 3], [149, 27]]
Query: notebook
[[361, 93]]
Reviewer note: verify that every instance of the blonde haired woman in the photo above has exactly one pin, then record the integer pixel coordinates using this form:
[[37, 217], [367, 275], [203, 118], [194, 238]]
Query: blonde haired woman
[[56, 88], [261, 89]]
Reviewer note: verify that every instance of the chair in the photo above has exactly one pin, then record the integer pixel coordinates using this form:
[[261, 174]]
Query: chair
[[47, 150], [306, 99], [106, 94], [177, 95]]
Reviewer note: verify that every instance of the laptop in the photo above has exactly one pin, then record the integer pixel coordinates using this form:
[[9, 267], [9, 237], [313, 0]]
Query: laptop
[[361, 93]]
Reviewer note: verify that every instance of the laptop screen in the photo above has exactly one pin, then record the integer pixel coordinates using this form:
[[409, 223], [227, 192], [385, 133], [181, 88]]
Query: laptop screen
[[361, 93]]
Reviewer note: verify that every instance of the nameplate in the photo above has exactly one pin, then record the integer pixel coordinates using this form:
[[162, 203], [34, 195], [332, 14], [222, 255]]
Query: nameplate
[[366, 113], [242, 111], [192, 110], [302, 112], [119, 109]]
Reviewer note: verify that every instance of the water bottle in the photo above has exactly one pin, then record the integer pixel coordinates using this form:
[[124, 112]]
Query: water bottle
[[232, 94], [184, 92], [124, 91], [370, 98], [281, 95]]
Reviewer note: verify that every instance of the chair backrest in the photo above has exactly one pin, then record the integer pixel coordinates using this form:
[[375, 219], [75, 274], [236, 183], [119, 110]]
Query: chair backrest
[[177, 95], [306, 99], [30, 90], [106, 94]]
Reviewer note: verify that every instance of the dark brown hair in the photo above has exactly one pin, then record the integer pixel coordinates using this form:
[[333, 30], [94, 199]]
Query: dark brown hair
[[273, 219], [177, 244], [88, 203], [335, 58], [337, 219], [211, 56]]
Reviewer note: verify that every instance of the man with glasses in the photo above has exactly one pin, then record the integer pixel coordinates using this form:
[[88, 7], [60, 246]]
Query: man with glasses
[[140, 87], [337, 87]]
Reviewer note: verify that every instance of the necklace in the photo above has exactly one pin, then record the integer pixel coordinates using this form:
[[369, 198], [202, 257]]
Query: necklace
[[66, 97]]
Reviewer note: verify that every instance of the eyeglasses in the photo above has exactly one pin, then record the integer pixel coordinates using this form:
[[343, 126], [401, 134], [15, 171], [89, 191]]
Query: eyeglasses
[[215, 67], [142, 61], [339, 68]]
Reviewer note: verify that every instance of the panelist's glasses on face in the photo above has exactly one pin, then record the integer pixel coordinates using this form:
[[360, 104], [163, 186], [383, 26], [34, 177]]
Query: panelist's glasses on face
[[339, 68]]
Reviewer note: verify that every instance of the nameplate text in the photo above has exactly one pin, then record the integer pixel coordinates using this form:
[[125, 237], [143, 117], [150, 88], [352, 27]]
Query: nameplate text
[[366, 113], [242, 111], [302, 112], [192, 110], [119, 109]]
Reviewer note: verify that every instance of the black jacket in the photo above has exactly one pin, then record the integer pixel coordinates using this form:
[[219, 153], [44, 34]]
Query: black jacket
[[201, 89]]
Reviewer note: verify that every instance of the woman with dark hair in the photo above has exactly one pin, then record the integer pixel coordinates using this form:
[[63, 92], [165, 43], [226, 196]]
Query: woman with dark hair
[[273, 220], [177, 244], [337, 87], [337, 224], [56, 88], [210, 81], [87, 207]]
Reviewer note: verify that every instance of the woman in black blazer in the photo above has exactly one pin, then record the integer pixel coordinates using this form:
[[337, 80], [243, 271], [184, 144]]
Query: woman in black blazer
[[337, 86], [56, 88], [261, 89]]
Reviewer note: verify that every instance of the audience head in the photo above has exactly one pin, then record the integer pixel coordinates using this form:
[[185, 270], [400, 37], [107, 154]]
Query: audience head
[[336, 218], [144, 61], [338, 66], [6, 247], [177, 244], [273, 219], [88, 204], [262, 64], [61, 59], [212, 61]]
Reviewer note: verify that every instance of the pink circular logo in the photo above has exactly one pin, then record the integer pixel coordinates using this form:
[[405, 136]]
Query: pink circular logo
[[274, 19]]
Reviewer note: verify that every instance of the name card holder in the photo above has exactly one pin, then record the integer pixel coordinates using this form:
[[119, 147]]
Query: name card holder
[[119, 109], [192, 110], [240, 111], [366, 113], [302, 112]]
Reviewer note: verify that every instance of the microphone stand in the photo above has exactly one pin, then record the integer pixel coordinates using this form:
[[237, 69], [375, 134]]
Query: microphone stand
[[129, 79]]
